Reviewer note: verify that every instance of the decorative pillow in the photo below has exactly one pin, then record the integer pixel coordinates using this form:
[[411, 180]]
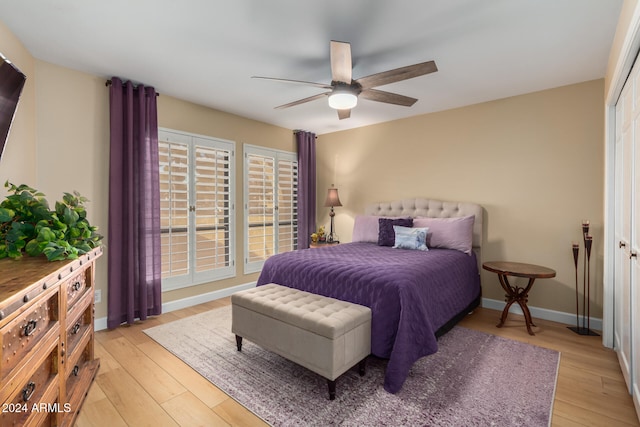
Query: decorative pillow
[[411, 238], [365, 229], [386, 235], [449, 233]]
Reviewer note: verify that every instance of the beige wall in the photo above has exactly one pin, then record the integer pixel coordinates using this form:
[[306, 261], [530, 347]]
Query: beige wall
[[72, 122], [534, 162]]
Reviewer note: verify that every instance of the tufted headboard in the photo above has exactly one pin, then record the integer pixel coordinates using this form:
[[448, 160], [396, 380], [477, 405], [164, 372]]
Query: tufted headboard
[[432, 209]]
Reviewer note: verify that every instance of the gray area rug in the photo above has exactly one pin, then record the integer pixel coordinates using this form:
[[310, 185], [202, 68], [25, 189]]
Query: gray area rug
[[475, 379]]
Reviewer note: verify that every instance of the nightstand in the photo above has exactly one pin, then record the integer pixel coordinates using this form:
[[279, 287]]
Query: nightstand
[[516, 293]]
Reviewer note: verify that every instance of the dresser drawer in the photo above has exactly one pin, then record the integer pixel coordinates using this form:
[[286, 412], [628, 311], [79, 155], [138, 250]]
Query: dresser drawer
[[80, 324], [35, 396], [19, 337], [81, 369], [76, 286], [23, 298]]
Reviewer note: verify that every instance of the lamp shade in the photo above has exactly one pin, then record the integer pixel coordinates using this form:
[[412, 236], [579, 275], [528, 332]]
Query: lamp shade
[[332, 198]]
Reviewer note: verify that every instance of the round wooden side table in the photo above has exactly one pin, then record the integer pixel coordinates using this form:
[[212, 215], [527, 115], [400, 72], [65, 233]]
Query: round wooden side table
[[517, 293]]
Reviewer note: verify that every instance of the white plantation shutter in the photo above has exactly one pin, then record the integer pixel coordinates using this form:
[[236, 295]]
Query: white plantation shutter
[[261, 209], [287, 205], [212, 208], [174, 208], [271, 217], [196, 175]]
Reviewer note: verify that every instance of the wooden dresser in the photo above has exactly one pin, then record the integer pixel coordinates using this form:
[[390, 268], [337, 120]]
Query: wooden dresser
[[46, 339]]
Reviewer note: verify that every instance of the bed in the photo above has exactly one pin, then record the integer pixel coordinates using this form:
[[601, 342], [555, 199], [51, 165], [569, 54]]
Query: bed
[[415, 296]]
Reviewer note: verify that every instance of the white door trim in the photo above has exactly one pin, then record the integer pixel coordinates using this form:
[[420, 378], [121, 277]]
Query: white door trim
[[625, 60]]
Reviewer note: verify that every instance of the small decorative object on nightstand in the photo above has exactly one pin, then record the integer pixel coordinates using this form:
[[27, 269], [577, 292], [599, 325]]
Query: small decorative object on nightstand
[[517, 293], [318, 236], [332, 201]]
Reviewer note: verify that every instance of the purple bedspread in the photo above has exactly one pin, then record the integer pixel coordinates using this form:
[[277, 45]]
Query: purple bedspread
[[411, 294]]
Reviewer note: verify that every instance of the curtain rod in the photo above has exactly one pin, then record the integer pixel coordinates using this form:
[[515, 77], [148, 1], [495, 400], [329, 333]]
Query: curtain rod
[[109, 83]]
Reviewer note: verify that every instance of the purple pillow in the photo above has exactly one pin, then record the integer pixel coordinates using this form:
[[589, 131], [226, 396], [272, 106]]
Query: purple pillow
[[386, 235], [449, 233], [365, 229]]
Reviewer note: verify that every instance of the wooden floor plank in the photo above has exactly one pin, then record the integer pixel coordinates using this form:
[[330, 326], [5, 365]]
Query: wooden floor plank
[[132, 401], [99, 413], [590, 392], [237, 415], [107, 362], [209, 394], [567, 414], [154, 379], [188, 410], [94, 394]]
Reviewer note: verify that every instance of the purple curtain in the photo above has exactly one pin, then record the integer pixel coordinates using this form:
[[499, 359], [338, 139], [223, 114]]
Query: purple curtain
[[306, 142], [134, 266]]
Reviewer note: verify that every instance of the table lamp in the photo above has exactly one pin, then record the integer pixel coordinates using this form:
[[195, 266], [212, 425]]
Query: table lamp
[[331, 201]]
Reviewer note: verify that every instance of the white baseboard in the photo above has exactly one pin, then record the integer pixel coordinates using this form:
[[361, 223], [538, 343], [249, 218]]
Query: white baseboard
[[101, 323], [543, 313]]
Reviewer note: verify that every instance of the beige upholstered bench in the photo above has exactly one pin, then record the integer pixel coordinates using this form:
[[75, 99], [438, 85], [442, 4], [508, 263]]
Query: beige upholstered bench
[[325, 335]]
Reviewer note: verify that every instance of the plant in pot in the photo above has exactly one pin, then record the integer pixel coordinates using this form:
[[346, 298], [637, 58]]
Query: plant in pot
[[28, 225]]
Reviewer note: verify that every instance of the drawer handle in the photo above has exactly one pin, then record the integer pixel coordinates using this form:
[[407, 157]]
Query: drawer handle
[[75, 370], [75, 328], [622, 244], [27, 392], [76, 286], [30, 327]]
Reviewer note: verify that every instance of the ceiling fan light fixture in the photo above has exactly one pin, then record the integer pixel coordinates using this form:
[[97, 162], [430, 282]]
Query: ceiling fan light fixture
[[342, 100], [343, 91]]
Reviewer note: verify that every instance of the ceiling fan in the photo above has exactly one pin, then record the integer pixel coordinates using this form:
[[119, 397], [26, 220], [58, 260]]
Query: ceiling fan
[[344, 91]]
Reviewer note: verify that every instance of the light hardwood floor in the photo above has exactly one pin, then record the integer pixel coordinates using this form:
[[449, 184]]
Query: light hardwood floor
[[142, 384]]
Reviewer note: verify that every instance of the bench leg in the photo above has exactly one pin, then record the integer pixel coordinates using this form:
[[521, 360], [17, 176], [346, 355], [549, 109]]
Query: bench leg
[[239, 342], [361, 366], [332, 384], [332, 389]]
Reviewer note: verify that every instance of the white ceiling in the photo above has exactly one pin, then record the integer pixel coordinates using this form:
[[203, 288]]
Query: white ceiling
[[206, 51]]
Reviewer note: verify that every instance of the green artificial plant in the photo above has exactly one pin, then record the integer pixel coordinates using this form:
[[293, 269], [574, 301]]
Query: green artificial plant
[[27, 225]]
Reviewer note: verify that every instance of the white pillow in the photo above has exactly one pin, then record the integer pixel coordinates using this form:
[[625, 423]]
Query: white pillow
[[411, 238], [449, 233]]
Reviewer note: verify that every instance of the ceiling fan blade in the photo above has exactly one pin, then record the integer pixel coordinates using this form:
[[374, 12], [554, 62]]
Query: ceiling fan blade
[[399, 74], [302, 101], [300, 82], [344, 114], [388, 97], [340, 62]]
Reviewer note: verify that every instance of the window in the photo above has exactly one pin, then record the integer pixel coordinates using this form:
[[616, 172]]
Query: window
[[197, 209], [270, 203]]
